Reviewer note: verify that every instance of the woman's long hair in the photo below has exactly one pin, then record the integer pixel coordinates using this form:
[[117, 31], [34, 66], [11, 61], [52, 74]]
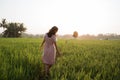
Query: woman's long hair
[[52, 31]]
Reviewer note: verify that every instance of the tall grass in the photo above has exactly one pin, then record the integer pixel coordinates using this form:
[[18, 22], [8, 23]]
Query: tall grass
[[20, 59]]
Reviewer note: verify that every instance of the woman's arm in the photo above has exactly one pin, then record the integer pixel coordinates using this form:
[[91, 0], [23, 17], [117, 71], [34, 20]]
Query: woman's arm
[[56, 48], [54, 42], [42, 43]]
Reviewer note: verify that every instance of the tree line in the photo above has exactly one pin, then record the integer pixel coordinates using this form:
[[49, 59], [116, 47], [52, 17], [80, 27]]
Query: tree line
[[15, 29], [107, 36]]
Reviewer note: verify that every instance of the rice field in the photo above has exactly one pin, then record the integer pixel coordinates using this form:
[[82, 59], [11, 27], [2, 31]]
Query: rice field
[[20, 59]]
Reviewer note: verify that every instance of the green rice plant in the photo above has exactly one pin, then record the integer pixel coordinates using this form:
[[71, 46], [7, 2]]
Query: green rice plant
[[20, 59]]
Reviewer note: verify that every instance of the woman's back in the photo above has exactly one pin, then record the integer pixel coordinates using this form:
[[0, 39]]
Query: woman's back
[[49, 40]]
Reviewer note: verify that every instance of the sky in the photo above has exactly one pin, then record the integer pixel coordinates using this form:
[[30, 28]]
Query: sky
[[83, 16]]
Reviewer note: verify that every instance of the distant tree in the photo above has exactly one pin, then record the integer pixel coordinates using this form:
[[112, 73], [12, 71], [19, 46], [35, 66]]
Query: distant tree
[[75, 34], [12, 29]]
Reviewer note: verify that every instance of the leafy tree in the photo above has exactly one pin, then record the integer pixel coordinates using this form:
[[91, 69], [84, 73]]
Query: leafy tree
[[3, 23], [12, 29], [75, 34]]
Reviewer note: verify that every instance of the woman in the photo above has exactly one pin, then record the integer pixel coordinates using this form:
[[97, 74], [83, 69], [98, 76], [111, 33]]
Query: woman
[[50, 49]]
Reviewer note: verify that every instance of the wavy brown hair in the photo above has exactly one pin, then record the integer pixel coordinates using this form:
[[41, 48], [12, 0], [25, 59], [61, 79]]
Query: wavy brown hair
[[52, 31]]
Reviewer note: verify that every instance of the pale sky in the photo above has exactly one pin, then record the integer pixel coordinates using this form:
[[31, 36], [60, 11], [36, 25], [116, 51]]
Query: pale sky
[[84, 16]]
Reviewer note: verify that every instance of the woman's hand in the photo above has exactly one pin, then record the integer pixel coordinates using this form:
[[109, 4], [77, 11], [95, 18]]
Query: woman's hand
[[58, 54], [41, 47]]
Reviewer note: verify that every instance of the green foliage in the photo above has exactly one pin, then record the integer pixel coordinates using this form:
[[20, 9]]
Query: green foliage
[[20, 59], [12, 29]]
